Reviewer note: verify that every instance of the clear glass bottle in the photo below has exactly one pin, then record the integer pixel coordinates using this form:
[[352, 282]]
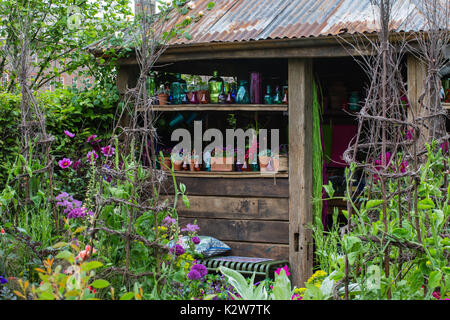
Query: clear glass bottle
[[215, 86]]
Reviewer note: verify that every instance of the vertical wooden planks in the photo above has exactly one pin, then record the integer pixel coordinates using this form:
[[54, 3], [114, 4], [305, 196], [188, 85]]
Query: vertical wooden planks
[[300, 81]]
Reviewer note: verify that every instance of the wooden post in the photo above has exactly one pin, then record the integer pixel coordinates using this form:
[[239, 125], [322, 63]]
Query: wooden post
[[416, 82], [300, 169]]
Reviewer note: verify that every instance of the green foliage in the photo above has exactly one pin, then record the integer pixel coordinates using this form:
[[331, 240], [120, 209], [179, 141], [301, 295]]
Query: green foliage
[[417, 237], [246, 290]]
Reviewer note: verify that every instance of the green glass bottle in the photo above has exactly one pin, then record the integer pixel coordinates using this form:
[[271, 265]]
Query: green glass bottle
[[215, 86], [151, 85]]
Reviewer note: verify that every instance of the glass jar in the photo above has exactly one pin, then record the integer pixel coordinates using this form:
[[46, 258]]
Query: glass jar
[[242, 95], [178, 89], [215, 86]]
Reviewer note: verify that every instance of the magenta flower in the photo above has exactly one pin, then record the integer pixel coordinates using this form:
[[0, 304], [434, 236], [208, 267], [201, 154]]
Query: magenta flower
[[91, 138], [444, 147], [69, 134], [403, 166], [108, 151], [196, 240], [92, 156], [409, 134], [286, 269], [64, 163], [76, 164]]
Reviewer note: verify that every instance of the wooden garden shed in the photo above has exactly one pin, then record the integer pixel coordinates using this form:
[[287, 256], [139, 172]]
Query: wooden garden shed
[[295, 40]]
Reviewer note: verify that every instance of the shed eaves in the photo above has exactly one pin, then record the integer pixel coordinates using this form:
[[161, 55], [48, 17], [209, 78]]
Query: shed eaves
[[246, 20]]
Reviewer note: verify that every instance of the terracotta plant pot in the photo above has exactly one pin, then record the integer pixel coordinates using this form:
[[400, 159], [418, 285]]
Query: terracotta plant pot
[[163, 98], [264, 162], [222, 164], [177, 165]]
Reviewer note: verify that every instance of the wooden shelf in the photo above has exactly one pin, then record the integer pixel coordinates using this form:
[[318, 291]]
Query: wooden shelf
[[221, 107], [231, 174]]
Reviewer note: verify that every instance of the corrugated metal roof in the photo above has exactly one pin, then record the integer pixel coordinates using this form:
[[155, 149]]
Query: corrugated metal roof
[[246, 20]]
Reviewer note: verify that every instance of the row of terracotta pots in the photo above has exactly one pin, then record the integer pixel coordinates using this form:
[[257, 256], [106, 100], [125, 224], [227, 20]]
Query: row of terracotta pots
[[266, 164]]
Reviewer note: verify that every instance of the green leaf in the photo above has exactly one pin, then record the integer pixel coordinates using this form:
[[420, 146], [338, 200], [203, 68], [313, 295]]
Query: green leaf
[[66, 255], [92, 265], [425, 204], [352, 244], [100, 284], [127, 296], [373, 203], [434, 279], [400, 233]]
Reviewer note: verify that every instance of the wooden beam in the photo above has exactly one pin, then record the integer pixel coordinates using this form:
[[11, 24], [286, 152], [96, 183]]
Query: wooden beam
[[254, 208], [300, 81]]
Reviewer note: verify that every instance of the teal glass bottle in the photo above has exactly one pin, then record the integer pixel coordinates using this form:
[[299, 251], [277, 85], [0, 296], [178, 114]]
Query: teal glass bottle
[[268, 97], [242, 95], [215, 86], [178, 89], [277, 98]]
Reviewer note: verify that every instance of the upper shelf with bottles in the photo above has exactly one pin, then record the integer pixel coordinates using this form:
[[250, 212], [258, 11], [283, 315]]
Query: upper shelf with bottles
[[219, 95]]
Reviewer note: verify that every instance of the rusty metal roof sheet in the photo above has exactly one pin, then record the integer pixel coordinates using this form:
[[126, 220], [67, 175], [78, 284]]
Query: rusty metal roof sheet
[[246, 20]]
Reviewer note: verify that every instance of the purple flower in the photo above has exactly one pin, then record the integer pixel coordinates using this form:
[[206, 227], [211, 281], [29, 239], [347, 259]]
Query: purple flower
[[92, 156], [3, 280], [64, 163], [194, 275], [200, 269], [69, 134], [108, 151], [191, 228], [167, 221], [196, 240], [77, 213], [178, 250], [444, 147]]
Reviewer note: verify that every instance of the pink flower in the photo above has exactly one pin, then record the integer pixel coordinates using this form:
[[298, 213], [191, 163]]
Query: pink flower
[[92, 156], [69, 134], [286, 269], [444, 147], [76, 164], [437, 295], [108, 151], [64, 163]]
